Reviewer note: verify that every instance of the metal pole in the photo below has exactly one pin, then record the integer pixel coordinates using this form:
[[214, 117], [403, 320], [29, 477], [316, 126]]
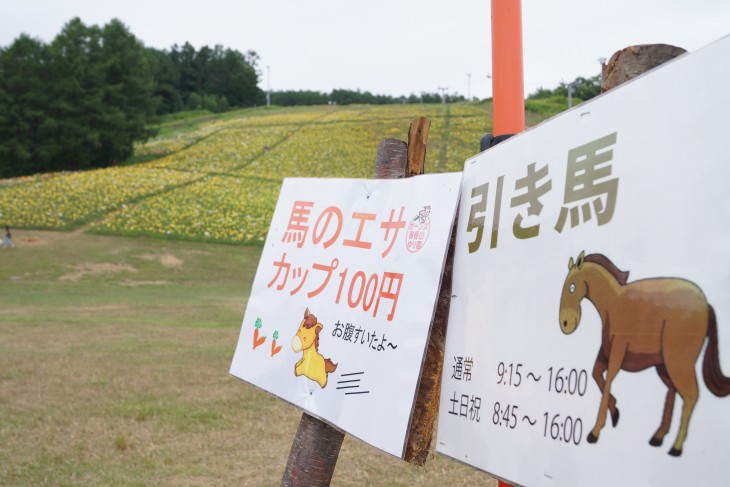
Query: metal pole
[[268, 86], [570, 95]]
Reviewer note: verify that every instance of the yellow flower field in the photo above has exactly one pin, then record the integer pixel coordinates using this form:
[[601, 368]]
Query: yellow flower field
[[466, 127], [344, 143], [222, 208], [286, 116], [216, 181], [326, 150], [366, 113], [227, 149], [69, 199], [164, 145]]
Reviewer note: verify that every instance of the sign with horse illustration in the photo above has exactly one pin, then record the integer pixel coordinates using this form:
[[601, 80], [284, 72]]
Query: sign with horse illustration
[[589, 333], [341, 305]]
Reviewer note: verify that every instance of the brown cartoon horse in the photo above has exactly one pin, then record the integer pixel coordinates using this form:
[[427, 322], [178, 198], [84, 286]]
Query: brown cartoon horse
[[312, 365], [661, 322]]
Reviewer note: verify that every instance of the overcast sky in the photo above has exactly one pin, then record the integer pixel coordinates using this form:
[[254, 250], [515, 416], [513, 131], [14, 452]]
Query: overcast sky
[[389, 46]]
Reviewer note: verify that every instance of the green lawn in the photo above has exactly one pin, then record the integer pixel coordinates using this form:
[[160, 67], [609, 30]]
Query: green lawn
[[114, 357]]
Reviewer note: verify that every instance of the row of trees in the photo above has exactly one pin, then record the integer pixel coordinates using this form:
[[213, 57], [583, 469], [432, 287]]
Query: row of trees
[[551, 102], [82, 100], [214, 79], [78, 102], [583, 89], [347, 97]]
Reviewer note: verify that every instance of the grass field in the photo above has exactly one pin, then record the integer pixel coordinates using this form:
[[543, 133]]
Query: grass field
[[114, 357], [120, 311]]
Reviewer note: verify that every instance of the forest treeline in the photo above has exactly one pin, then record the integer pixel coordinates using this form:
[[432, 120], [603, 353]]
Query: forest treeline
[[82, 100], [348, 97], [548, 102]]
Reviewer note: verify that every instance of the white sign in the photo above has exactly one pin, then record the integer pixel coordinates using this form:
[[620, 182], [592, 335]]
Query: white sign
[[596, 245], [341, 306]]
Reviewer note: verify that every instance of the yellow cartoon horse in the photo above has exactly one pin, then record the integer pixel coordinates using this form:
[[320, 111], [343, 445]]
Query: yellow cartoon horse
[[312, 365], [659, 322]]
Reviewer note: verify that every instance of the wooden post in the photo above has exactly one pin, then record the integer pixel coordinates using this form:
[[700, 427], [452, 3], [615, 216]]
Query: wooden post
[[635, 60], [391, 160], [313, 454], [417, 140], [396, 159], [316, 446], [425, 410]]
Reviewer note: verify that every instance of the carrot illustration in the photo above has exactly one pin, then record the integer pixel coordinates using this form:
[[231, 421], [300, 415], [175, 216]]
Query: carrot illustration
[[256, 339], [274, 348]]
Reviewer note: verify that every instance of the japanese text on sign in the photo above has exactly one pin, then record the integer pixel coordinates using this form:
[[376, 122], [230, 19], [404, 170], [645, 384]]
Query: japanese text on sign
[[589, 191], [365, 291]]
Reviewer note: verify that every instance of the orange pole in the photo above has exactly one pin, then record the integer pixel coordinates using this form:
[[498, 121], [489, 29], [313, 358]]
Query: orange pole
[[508, 91]]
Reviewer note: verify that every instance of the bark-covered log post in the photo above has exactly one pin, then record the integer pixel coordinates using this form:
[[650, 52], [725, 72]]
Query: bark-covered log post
[[632, 61], [316, 446], [425, 409], [313, 454]]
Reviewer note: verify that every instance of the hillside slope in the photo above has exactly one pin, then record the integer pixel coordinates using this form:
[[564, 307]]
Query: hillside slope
[[217, 178]]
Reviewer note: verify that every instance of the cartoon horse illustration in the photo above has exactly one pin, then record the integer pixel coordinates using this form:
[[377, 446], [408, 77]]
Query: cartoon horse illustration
[[659, 322], [312, 365]]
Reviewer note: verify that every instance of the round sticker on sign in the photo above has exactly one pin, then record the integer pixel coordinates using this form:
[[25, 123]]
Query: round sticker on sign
[[418, 230]]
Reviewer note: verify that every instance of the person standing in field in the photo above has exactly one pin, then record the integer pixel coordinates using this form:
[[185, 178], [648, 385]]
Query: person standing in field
[[7, 242]]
